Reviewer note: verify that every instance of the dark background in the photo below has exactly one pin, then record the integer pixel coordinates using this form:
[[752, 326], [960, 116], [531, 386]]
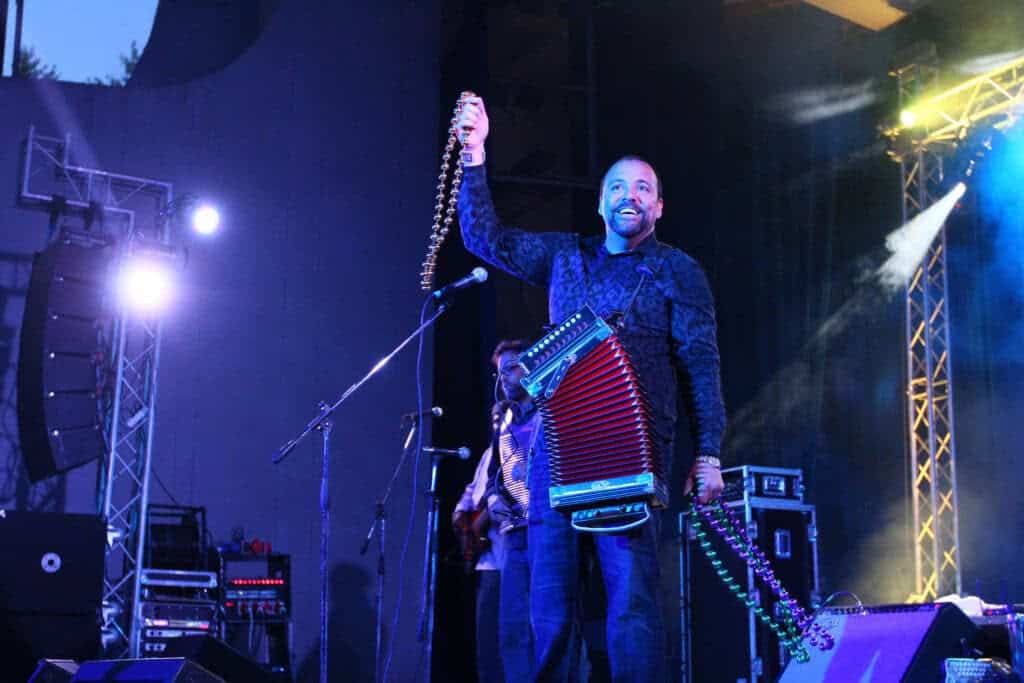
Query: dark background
[[318, 130]]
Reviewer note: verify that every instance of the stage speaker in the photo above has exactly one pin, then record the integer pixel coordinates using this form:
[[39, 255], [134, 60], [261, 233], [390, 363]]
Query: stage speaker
[[27, 638], [169, 670], [54, 671], [59, 378], [52, 562], [890, 644], [219, 657], [51, 584]]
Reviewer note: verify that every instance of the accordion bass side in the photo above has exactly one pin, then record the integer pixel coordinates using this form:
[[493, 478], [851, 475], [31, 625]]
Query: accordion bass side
[[598, 423]]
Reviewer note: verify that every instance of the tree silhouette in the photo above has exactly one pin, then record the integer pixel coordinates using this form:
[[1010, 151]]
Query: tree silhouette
[[128, 62], [30, 65]]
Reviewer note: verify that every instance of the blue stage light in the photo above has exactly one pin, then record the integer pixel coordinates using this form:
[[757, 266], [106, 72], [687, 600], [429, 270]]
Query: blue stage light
[[205, 219]]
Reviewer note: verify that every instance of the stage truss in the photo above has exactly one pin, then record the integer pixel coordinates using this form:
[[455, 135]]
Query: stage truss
[[51, 179], [934, 127]]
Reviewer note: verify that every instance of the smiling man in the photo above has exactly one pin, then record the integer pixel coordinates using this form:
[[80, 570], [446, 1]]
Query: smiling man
[[665, 319], [630, 204]]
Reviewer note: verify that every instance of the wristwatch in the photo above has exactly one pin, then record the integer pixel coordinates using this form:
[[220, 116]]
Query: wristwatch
[[709, 460]]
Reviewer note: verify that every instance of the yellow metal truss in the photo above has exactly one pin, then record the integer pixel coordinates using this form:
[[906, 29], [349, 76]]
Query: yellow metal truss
[[932, 125], [931, 443], [995, 98]]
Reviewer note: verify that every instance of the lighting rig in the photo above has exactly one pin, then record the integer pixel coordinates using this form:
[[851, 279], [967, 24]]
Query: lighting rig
[[936, 128], [148, 254]]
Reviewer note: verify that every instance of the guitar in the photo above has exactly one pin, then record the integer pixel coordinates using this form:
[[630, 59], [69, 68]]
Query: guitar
[[471, 530]]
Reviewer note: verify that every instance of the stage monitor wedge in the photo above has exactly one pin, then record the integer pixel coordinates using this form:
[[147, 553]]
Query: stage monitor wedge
[[160, 670], [890, 643], [60, 363], [54, 671]]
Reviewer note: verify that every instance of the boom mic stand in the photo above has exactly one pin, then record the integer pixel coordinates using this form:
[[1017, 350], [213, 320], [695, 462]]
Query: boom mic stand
[[322, 424]]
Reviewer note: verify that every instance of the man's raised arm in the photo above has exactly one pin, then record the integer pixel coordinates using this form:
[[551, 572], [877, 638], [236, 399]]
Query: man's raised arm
[[526, 255]]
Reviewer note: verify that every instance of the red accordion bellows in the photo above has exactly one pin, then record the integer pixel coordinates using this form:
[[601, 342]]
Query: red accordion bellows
[[599, 423]]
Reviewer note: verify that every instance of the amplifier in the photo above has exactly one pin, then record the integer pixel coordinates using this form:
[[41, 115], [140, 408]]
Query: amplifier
[[178, 578], [163, 621], [256, 608], [255, 587], [723, 640]]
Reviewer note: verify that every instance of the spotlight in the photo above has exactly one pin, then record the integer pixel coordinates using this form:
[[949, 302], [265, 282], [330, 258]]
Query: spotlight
[[145, 285], [908, 119], [972, 153], [205, 219]]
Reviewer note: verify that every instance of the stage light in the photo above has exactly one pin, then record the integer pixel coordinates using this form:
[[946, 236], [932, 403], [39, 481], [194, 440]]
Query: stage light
[[974, 151], [145, 285], [205, 219], [908, 119]]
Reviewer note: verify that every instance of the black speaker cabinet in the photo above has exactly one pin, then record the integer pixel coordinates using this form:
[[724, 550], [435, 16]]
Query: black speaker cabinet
[[893, 643], [27, 638], [723, 640], [54, 671], [52, 562], [51, 584], [58, 364], [169, 670], [220, 658]]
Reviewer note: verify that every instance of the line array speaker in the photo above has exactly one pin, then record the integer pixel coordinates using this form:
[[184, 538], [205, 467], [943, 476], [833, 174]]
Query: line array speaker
[[59, 378]]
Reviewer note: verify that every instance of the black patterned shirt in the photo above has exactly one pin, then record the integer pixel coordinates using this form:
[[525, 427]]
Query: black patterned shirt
[[670, 330]]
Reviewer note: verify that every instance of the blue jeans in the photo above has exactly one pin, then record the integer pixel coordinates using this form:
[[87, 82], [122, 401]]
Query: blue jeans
[[488, 659], [629, 565], [514, 629]]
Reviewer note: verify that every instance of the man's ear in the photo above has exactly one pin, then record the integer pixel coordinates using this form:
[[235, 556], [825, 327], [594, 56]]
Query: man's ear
[[600, 204]]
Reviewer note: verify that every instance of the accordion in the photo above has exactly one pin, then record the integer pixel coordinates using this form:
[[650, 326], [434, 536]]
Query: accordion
[[606, 465]]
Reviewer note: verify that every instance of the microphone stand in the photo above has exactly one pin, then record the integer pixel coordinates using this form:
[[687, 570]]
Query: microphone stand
[[426, 626], [322, 424], [379, 520]]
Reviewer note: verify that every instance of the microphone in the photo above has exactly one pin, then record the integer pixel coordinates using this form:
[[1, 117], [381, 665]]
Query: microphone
[[477, 276], [645, 272], [436, 411], [461, 453]]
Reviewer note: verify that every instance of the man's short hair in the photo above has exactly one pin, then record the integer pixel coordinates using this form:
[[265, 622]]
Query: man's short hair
[[516, 346], [632, 157]]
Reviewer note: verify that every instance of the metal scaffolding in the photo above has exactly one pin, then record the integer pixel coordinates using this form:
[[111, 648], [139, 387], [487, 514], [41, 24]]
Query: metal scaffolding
[[933, 126], [932, 446], [994, 98], [129, 408]]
